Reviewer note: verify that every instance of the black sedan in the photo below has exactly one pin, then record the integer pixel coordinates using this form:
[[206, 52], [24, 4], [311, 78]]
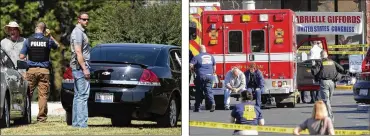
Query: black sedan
[[132, 82], [15, 103]]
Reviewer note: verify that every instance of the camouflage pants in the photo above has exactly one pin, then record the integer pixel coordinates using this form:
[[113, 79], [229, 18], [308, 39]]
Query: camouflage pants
[[39, 77]]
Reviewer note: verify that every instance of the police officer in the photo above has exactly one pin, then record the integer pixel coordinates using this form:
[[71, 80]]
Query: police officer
[[37, 47], [204, 66], [326, 71], [255, 82], [247, 113]]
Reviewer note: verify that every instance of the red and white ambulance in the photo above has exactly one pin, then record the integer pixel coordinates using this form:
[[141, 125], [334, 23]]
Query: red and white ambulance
[[266, 37]]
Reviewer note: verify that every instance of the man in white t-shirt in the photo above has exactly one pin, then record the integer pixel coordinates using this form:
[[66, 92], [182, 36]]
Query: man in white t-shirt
[[315, 54], [315, 50]]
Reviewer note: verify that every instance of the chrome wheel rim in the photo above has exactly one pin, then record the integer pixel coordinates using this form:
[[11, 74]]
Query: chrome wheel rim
[[173, 113]]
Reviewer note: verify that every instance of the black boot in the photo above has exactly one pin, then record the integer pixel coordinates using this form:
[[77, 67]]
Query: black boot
[[213, 108]]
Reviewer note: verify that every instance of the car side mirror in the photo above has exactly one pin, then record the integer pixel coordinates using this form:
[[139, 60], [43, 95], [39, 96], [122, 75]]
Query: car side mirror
[[22, 64]]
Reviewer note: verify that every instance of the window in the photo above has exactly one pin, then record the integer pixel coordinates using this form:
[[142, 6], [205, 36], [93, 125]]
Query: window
[[7, 61], [303, 51], [258, 41], [192, 30], [235, 41], [133, 54], [175, 61]]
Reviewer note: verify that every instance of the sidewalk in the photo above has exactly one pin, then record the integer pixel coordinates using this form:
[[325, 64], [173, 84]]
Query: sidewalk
[[54, 108]]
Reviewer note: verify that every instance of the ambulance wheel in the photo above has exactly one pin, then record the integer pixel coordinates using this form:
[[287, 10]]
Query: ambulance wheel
[[219, 100]]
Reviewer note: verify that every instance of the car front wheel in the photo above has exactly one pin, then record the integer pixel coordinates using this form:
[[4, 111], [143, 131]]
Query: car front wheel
[[26, 119], [169, 119], [5, 119]]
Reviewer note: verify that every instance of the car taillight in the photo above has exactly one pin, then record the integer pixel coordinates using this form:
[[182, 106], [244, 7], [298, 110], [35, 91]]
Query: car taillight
[[273, 83], [149, 78], [279, 84], [67, 75], [366, 65]]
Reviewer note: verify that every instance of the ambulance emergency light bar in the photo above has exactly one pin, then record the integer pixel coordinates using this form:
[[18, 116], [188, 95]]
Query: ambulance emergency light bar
[[228, 18], [263, 17], [245, 18]]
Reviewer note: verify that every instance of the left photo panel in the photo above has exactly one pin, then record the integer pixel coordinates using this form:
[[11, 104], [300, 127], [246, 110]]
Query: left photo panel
[[91, 67]]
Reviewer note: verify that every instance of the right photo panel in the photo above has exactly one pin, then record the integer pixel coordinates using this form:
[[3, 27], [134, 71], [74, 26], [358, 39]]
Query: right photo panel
[[279, 67]]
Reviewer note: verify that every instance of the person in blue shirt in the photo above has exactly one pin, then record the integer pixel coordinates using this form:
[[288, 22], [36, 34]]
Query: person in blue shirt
[[247, 113], [255, 82], [204, 66], [38, 47]]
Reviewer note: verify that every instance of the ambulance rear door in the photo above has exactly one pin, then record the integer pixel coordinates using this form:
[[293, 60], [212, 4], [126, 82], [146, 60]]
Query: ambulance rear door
[[259, 46], [234, 49]]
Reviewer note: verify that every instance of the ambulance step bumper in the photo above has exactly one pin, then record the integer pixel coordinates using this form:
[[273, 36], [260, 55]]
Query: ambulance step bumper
[[278, 91]]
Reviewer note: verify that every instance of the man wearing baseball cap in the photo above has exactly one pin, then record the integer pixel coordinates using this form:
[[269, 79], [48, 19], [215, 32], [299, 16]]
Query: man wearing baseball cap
[[13, 43]]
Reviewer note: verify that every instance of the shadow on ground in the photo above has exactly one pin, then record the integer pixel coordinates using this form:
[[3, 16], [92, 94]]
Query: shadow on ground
[[140, 126]]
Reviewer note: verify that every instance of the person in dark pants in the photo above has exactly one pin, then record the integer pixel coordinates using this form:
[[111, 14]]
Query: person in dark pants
[[326, 71], [204, 66], [247, 113], [313, 95], [38, 48], [255, 82], [191, 56]]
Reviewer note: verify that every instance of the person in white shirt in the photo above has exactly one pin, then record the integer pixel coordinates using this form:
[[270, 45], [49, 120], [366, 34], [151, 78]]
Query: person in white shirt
[[315, 52], [235, 82]]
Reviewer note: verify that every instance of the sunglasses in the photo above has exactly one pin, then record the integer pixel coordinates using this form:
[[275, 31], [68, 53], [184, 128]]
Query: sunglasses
[[84, 19]]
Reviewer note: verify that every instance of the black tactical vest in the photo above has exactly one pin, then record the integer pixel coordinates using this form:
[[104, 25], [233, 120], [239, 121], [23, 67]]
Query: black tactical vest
[[328, 70], [38, 50]]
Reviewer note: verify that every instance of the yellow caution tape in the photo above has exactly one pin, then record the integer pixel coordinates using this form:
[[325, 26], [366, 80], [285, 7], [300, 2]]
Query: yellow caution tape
[[340, 52], [270, 129], [339, 46]]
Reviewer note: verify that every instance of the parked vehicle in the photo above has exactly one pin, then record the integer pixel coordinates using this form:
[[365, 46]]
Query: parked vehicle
[[361, 88], [132, 82], [15, 102]]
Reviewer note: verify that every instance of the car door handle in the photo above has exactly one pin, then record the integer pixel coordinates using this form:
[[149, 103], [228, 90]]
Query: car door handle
[[251, 57]]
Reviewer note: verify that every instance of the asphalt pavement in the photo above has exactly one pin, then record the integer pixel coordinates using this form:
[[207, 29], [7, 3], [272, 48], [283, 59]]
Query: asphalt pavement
[[346, 116]]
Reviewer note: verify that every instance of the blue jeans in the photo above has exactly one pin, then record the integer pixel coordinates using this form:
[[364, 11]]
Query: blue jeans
[[203, 84], [81, 95], [227, 93], [256, 95]]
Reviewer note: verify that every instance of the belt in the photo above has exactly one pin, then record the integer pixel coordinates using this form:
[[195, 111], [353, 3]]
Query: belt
[[36, 67], [326, 79]]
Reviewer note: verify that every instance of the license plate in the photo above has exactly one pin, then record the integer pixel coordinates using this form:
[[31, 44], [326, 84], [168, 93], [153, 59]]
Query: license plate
[[363, 92], [104, 97]]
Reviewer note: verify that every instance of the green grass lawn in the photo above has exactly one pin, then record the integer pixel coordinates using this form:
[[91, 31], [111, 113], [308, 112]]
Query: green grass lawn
[[56, 125]]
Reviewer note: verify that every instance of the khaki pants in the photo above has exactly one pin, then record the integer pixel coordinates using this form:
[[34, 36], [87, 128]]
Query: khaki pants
[[39, 77]]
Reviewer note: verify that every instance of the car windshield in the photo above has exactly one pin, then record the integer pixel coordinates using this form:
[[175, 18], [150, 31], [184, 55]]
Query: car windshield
[[141, 55]]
